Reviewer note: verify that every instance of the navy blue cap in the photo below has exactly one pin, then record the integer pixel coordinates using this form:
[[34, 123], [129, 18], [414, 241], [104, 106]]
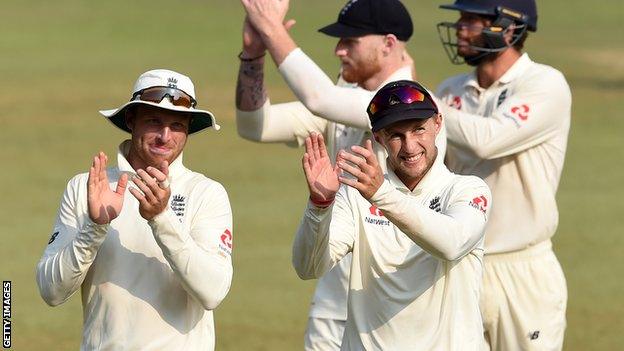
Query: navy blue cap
[[492, 8], [395, 104], [361, 17]]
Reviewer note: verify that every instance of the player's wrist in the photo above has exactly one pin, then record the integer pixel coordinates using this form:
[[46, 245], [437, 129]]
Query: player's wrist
[[321, 203], [251, 55]]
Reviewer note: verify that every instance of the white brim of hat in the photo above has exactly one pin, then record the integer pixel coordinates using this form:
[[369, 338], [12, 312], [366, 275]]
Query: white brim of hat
[[201, 119]]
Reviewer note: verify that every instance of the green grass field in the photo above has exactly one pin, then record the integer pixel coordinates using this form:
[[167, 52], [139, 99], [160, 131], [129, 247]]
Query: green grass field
[[61, 61]]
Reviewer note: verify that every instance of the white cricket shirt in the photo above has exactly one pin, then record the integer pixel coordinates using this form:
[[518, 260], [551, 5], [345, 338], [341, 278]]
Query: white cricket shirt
[[417, 260], [513, 135], [338, 112], [146, 285]]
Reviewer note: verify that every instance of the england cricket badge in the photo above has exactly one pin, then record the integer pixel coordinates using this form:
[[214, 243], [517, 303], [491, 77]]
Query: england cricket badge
[[178, 205]]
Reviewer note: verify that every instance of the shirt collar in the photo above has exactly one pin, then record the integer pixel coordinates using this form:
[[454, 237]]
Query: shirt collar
[[433, 176], [516, 70], [400, 74], [175, 168]]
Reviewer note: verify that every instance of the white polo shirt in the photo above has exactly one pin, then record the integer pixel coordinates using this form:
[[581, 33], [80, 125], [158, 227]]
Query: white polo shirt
[[513, 135], [148, 285], [417, 260]]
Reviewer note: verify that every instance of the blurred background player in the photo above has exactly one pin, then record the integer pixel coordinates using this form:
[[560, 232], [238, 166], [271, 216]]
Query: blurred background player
[[372, 50], [415, 233], [152, 262], [511, 128]]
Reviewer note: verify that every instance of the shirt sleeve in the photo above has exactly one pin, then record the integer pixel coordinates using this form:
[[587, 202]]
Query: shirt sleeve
[[448, 235], [288, 123], [71, 250], [344, 105], [324, 237], [200, 257], [533, 114]]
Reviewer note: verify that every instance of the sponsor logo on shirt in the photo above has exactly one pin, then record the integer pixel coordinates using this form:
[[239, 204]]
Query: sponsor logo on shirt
[[521, 111], [435, 204], [534, 335], [518, 114], [178, 205], [53, 237], [480, 203], [457, 102], [226, 242], [374, 211]]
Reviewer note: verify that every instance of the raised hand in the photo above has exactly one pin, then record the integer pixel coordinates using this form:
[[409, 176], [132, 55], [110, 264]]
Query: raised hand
[[253, 46], [104, 204], [154, 185], [364, 167], [263, 14], [321, 176]]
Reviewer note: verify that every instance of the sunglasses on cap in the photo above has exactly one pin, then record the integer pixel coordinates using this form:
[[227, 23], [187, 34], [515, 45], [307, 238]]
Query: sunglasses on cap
[[156, 94], [400, 94]]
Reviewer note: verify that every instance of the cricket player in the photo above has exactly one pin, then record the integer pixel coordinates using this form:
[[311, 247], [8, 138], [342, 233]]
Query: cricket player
[[372, 51], [152, 262], [416, 234], [510, 127]]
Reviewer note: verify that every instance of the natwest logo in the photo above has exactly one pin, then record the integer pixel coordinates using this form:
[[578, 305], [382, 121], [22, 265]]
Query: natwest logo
[[375, 211], [480, 203], [226, 242]]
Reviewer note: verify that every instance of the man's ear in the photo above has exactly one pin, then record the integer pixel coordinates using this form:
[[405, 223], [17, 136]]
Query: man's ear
[[509, 32], [378, 138], [129, 118], [390, 42], [437, 121]]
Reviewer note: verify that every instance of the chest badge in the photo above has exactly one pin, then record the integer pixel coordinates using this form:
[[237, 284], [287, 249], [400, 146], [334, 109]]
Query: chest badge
[[178, 205], [435, 204]]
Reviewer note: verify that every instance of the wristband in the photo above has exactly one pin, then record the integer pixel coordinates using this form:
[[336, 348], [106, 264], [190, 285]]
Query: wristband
[[321, 204], [244, 59]]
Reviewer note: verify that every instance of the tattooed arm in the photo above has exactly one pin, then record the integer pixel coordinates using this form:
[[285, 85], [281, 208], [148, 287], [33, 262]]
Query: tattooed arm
[[250, 91], [258, 120]]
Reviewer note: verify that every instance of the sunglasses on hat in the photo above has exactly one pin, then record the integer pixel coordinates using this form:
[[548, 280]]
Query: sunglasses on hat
[[401, 94], [156, 94]]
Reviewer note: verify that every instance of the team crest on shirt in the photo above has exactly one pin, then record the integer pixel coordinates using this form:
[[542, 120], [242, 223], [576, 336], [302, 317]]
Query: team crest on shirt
[[435, 204], [178, 204], [376, 216], [226, 242], [480, 203]]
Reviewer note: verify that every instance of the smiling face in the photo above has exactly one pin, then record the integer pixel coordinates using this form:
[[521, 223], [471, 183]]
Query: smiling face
[[157, 135], [411, 147]]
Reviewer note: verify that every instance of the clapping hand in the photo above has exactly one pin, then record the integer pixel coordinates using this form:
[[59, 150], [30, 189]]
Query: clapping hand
[[103, 203], [321, 176], [363, 165]]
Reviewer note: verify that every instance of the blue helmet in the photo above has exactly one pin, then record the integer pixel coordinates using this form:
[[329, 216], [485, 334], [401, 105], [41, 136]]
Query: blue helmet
[[524, 11]]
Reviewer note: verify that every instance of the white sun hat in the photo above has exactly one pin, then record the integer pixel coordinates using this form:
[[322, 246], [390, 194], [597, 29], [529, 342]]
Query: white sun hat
[[175, 86]]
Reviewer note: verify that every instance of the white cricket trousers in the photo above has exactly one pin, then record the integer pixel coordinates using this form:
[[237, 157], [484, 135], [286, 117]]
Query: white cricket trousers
[[523, 300]]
